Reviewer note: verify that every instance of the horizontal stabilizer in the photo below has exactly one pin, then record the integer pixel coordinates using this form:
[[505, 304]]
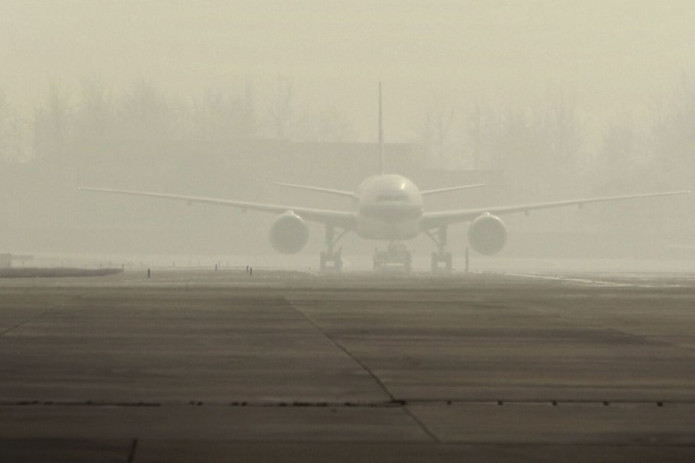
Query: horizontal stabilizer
[[452, 188], [319, 189]]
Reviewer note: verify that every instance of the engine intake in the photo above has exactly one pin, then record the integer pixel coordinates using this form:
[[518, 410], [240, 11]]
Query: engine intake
[[289, 234], [487, 234]]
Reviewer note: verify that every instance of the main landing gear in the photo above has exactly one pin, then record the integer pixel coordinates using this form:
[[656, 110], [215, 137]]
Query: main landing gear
[[331, 259], [395, 257], [441, 260]]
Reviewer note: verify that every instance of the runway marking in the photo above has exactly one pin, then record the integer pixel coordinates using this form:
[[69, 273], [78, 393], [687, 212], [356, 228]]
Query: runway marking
[[583, 281], [591, 282]]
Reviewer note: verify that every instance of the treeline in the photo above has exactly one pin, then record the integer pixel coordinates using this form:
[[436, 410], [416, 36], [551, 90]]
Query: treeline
[[68, 121], [552, 146], [549, 145]]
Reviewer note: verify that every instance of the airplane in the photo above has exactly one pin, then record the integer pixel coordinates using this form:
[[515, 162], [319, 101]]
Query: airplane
[[385, 207]]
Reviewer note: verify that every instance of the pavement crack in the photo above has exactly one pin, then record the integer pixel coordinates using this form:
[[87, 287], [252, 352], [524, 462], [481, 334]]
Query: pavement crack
[[23, 322], [36, 317], [133, 449], [623, 332], [345, 350]]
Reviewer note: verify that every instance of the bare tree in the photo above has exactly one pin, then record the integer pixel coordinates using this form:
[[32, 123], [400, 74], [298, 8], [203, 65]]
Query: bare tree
[[475, 132], [281, 108], [8, 146], [674, 137], [52, 126], [327, 125], [436, 133], [223, 117], [145, 113], [563, 130], [334, 127]]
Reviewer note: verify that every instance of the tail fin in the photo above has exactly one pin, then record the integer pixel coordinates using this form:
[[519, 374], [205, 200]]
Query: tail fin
[[381, 135]]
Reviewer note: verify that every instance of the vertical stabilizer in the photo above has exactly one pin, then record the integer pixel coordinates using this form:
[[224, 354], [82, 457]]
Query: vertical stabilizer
[[381, 135]]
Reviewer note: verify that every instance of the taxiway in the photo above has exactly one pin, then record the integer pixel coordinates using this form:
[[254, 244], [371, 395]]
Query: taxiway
[[293, 366]]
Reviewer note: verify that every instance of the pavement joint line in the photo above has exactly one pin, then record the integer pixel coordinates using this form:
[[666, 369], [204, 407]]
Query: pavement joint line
[[343, 349], [73, 403], [31, 319], [422, 425], [402, 403]]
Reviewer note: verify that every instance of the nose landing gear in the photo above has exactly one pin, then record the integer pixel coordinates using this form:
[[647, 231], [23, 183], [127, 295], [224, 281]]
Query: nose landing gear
[[395, 257], [331, 261]]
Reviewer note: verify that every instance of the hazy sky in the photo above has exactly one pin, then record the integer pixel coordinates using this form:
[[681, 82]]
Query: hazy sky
[[605, 54]]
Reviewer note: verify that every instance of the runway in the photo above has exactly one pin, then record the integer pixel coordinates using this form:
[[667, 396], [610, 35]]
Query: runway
[[295, 366]]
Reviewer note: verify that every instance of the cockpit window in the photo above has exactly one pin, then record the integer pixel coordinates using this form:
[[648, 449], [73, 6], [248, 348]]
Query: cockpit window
[[392, 197]]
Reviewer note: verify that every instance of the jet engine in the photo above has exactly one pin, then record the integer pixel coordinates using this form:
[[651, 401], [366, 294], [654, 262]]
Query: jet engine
[[289, 233], [487, 234]]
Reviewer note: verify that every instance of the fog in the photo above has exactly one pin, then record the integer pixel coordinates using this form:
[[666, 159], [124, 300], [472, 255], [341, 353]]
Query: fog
[[542, 100]]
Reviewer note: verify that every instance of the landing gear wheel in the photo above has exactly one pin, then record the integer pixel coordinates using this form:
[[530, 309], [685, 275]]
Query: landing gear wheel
[[396, 257], [331, 262], [442, 262]]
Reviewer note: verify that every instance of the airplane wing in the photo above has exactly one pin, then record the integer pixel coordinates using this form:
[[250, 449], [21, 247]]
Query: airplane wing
[[340, 219], [438, 219]]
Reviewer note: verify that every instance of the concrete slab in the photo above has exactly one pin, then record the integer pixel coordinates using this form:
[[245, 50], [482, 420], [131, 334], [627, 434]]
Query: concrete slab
[[113, 348], [65, 450], [569, 423], [268, 423], [319, 452], [510, 349]]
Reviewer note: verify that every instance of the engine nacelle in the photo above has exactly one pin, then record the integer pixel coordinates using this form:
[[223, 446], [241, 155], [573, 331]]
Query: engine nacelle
[[289, 234], [487, 234]]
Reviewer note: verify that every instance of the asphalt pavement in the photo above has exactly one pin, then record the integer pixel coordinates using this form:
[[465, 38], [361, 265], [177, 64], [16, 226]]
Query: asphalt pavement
[[296, 366]]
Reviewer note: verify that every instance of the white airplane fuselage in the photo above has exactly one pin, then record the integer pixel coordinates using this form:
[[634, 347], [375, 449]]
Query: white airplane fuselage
[[388, 207]]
